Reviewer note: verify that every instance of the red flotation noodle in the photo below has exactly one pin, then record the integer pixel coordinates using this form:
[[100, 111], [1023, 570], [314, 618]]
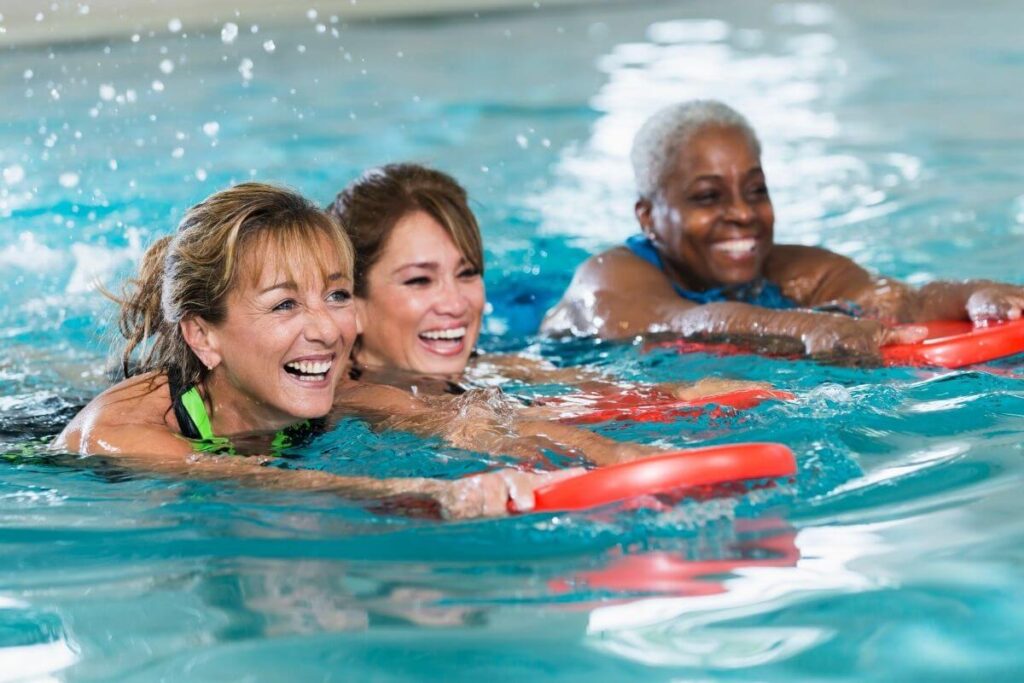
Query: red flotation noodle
[[956, 343], [665, 473]]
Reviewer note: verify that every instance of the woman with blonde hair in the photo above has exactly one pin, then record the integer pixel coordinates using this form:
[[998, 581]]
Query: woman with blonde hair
[[244, 323]]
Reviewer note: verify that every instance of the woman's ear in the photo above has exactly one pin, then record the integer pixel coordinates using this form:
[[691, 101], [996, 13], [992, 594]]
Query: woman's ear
[[642, 210], [202, 339]]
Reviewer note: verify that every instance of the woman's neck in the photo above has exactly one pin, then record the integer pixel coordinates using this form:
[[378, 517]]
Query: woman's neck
[[232, 411]]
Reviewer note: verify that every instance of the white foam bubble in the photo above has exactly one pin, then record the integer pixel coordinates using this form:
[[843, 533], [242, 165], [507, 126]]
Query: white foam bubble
[[229, 32], [13, 174]]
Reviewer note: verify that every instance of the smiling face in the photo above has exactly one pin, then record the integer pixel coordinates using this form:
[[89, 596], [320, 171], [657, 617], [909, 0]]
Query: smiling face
[[712, 218], [424, 302], [284, 342]]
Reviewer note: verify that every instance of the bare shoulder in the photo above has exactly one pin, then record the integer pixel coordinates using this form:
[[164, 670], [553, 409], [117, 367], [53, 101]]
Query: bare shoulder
[[131, 414], [795, 260], [612, 294], [814, 275], [367, 398], [615, 266]]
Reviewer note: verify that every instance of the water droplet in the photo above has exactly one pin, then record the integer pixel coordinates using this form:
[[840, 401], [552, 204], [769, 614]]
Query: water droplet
[[178, 152], [112, 164], [200, 174], [229, 32], [211, 128], [311, 14], [174, 25], [107, 92], [68, 179], [321, 28], [40, 16], [245, 68], [522, 141], [83, 9], [157, 86], [167, 66], [269, 46], [27, 75], [13, 174]]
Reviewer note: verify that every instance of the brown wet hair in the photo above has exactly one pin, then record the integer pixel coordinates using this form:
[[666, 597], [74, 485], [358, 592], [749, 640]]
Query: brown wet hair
[[371, 206]]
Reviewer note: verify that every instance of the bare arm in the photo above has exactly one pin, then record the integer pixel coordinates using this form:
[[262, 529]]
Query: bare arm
[[590, 381], [816, 276], [484, 421], [616, 295], [153, 447]]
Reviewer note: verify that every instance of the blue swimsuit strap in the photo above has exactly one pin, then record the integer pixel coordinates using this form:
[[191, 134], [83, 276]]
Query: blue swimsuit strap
[[759, 292]]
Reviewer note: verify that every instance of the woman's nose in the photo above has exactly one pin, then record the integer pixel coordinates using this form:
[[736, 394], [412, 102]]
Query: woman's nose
[[321, 326], [740, 210], [451, 299]]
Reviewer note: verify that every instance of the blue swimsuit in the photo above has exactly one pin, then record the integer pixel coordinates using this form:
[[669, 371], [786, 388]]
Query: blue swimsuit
[[760, 292]]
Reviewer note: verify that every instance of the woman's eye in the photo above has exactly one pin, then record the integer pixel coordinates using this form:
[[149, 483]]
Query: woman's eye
[[707, 197], [286, 305], [340, 296], [469, 273], [417, 281], [759, 191]]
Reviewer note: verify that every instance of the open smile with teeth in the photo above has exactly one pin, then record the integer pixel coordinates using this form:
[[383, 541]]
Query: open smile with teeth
[[454, 334], [738, 247], [309, 371]]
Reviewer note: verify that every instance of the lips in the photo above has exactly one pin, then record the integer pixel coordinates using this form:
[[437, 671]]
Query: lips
[[736, 248], [310, 370], [444, 341]]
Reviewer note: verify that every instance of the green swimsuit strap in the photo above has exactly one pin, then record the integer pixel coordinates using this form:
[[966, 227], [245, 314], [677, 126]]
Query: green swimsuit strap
[[196, 409]]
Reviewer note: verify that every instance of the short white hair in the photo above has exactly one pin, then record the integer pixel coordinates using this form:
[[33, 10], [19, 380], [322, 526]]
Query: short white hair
[[659, 139]]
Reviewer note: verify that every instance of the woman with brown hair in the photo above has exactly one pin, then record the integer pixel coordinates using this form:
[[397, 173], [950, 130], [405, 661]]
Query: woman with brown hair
[[245, 322], [420, 292]]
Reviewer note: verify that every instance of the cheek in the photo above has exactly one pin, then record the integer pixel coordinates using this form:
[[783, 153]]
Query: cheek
[[477, 297], [394, 315]]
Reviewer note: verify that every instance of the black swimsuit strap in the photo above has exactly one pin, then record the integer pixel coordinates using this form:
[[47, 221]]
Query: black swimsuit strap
[[177, 388]]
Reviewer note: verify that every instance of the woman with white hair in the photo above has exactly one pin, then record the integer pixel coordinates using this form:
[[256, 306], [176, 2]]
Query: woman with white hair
[[705, 263]]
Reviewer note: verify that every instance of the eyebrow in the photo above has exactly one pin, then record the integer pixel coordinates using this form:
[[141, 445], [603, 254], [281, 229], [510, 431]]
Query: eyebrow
[[714, 176], [290, 284], [426, 265]]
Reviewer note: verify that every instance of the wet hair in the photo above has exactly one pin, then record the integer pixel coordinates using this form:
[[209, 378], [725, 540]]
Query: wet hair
[[659, 139], [372, 205], [229, 238]]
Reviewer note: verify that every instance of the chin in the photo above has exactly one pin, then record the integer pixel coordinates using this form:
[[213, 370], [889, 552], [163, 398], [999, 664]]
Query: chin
[[448, 366]]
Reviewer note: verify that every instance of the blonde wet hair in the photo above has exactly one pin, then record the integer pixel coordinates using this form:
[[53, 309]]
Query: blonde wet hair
[[372, 205], [228, 239]]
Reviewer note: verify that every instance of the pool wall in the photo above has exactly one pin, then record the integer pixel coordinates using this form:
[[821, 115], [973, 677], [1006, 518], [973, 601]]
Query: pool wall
[[45, 21]]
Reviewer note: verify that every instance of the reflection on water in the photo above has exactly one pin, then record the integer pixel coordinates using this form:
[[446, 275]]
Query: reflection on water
[[708, 626], [33, 643]]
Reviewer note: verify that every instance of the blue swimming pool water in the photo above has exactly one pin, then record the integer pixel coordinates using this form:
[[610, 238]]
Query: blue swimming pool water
[[891, 135]]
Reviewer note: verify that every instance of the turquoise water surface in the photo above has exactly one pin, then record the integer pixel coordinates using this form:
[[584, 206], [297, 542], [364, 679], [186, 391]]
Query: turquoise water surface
[[891, 133]]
